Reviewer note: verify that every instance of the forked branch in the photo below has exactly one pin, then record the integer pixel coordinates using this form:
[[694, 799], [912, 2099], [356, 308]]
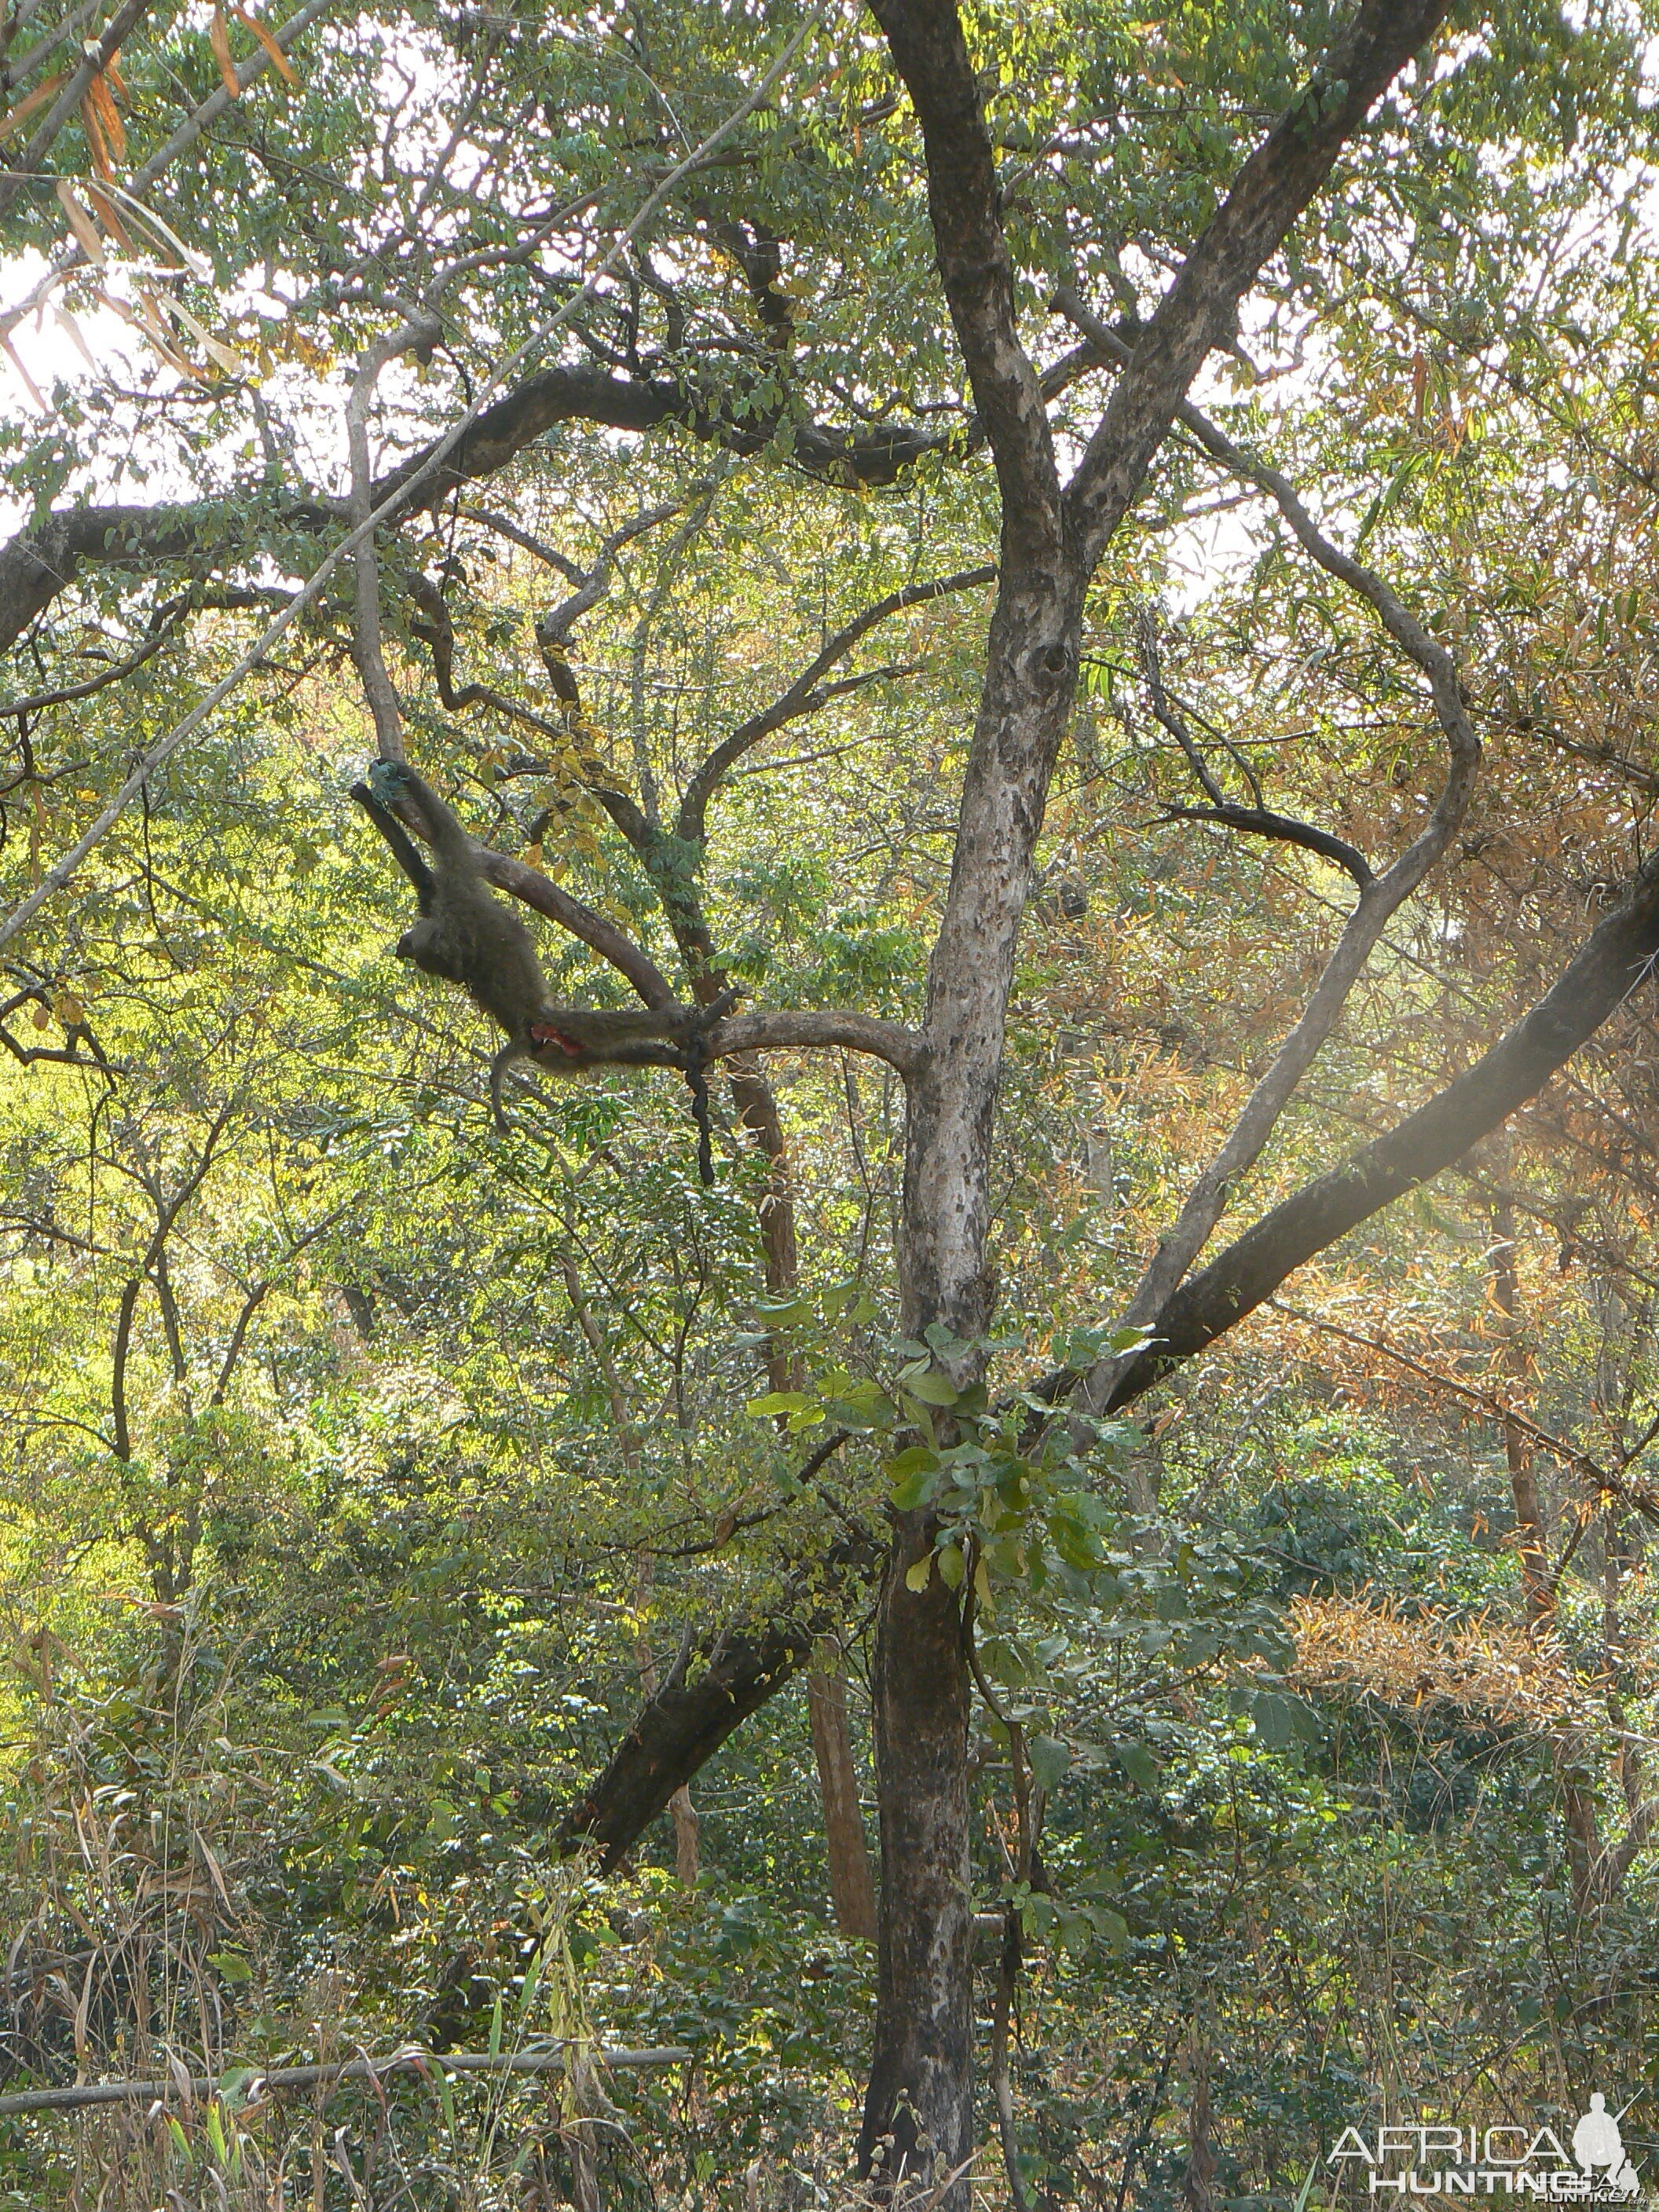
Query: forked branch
[[1380, 896], [808, 691]]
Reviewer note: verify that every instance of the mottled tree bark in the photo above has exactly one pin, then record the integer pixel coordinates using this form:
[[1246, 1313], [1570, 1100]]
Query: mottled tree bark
[[918, 2108]]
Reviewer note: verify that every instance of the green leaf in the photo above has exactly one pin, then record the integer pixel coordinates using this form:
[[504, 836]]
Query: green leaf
[[916, 1576], [1113, 1928], [913, 1490], [1390, 495], [933, 1389], [779, 1401], [1281, 1720], [1049, 1759], [1138, 1764], [914, 1459], [952, 1564], [532, 1982]]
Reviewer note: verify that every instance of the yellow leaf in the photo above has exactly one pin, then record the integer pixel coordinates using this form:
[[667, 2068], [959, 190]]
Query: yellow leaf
[[25, 106], [69, 1010], [211, 346], [279, 60], [917, 1579], [86, 231], [42, 1017], [219, 40]]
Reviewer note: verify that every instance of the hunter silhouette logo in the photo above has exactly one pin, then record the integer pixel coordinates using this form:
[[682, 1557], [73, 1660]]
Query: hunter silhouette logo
[[1597, 2141], [1462, 2160]]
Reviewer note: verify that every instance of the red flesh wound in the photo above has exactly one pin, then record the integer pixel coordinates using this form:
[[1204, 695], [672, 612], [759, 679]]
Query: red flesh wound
[[544, 1033]]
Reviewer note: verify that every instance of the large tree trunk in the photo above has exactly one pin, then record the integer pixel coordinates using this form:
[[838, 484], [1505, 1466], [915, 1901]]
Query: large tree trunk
[[919, 2109], [921, 2092], [921, 2076]]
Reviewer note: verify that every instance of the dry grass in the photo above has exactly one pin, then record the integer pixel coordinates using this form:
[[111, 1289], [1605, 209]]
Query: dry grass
[[1484, 1667]]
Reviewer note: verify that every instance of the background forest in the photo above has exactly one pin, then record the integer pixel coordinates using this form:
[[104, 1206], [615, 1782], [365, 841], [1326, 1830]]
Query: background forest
[[369, 1475]]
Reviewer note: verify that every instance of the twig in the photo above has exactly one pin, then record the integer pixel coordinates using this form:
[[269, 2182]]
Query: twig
[[81, 2095], [1615, 1486]]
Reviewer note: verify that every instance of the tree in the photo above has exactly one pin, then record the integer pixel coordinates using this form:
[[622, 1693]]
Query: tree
[[559, 206]]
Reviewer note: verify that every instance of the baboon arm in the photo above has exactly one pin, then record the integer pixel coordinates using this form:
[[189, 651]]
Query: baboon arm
[[404, 850]]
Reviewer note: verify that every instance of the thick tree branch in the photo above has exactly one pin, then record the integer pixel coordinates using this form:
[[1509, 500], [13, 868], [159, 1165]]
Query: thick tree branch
[[599, 935], [900, 1048], [1262, 821], [1197, 314], [930, 55], [1616, 959], [585, 392], [39, 563], [719, 1679]]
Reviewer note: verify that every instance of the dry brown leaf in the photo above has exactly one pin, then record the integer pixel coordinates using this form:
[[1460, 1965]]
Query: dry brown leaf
[[94, 135], [29, 384], [42, 92], [1487, 1668], [104, 207], [149, 316], [85, 230], [75, 337], [103, 100], [219, 40], [280, 61]]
